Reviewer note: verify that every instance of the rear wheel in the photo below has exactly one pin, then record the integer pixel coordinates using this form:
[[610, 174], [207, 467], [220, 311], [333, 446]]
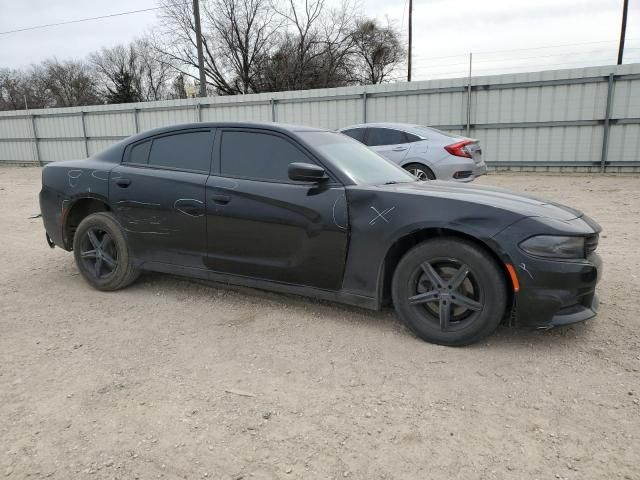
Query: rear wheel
[[421, 172], [102, 254], [449, 291]]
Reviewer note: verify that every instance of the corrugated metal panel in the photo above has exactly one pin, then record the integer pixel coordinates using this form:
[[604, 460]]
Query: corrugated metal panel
[[499, 106], [112, 124], [15, 128], [626, 99], [236, 113], [56, 127], [17, 151], [56, 150], [624, 143], [161, 118], [96, 146]]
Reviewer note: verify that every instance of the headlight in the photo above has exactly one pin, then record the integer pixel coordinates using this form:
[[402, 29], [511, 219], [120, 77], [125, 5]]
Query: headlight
[[554, 246]]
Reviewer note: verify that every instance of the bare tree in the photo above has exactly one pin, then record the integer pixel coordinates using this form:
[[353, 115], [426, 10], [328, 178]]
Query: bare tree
[[236, 36], [132, 73], [52, 83], [66, 83], [155, 71], [316, 48], [15, 87], [119, 72], [378, 51]]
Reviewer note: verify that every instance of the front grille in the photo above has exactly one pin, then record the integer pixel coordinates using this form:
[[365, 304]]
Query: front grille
[[590, 244]]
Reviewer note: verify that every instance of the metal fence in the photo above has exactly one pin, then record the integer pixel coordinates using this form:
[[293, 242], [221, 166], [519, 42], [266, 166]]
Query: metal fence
[[577, 119]]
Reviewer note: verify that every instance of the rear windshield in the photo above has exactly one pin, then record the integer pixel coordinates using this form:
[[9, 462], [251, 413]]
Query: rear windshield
[[427, 131]]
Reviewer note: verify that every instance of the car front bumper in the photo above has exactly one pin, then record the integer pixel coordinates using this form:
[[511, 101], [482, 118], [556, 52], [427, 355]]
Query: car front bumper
[[555, 293]]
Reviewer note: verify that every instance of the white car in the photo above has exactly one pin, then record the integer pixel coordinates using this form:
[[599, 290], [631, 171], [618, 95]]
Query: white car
[[425, 152]]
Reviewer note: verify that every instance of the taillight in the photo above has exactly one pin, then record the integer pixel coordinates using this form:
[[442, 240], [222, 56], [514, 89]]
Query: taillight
[[459, 148]]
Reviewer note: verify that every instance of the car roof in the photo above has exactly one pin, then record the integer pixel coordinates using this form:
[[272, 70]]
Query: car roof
[[115, 151], [274, 126]]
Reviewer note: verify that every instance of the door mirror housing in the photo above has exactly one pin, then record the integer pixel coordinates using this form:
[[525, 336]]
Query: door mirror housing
[[306, 172]]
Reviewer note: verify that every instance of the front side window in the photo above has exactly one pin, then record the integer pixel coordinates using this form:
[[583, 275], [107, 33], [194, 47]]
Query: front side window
[[259, 156], [185, 151], [385, 136]]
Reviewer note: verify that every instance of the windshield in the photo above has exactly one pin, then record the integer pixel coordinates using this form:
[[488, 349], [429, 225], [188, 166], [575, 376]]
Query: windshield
[[362, 165]]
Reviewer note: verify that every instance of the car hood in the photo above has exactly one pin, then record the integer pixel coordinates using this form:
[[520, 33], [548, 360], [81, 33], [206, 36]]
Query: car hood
[[494, 197]]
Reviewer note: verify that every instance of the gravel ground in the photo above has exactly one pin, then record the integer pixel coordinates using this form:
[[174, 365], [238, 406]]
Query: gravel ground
[[175, 379]]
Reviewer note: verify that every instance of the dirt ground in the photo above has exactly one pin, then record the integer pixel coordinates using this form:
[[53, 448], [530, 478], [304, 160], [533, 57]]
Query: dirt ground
[[175, 379]]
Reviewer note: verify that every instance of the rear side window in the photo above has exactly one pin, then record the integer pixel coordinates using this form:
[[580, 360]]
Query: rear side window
[[385, 136], [139, 153], [412, 138], [185, 151], [356, 134], [258, 156]]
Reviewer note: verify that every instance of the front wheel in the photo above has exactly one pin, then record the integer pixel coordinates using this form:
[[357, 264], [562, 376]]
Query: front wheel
[[102, 254], [449, 291], [421, 172]]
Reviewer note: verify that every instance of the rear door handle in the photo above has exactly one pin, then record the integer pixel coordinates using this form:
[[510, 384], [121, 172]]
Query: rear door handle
[[221, 199], [123, 182], [399, 149]]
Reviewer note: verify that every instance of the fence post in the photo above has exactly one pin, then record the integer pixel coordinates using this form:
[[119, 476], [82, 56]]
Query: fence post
[[364, 107], [198, 113], [273, 109], [469, 97], [84, 135], [607, 124], [35, 139], [135, 119]]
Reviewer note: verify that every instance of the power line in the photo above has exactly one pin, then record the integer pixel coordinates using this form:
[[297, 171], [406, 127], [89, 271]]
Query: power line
[[524, 69], [522, 49], [120, 14], [421, 63]]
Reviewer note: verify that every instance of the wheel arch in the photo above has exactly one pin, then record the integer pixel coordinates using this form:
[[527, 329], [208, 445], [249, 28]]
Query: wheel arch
[[77, 211], [408, 240], [421, 162]]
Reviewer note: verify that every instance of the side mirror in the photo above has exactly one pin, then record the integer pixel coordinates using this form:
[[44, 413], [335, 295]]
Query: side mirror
[[306, 172]]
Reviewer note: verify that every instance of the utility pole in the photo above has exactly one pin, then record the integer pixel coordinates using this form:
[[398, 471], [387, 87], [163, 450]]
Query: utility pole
[[410, 39], [469, 96], [203, 80], [623, 30]]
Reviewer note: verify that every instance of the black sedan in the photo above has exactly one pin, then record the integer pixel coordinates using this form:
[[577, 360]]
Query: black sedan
[[312, 212]]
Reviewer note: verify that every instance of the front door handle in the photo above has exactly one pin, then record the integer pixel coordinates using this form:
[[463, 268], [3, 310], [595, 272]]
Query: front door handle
[[221, 199], [123, 182]]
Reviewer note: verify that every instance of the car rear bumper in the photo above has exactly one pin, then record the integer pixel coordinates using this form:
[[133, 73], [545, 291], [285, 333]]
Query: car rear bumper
[[459, 169]]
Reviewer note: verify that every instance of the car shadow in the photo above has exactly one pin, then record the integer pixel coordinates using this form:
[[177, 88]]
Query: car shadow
[[505, 336]]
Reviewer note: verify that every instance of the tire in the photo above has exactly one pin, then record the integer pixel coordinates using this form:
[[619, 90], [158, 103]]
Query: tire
[[420, 171], [102, 254], [461, 304]]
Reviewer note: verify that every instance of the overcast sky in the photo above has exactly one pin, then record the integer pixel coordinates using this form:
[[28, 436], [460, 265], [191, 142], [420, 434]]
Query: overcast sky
[[442, 28]]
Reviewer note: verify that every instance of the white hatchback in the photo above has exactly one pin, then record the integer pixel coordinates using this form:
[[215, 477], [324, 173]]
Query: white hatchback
[[425, 152]]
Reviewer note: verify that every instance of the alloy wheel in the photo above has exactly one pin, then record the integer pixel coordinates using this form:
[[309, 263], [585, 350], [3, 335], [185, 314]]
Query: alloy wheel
[[98, 252], [419, 174], [446, 293]]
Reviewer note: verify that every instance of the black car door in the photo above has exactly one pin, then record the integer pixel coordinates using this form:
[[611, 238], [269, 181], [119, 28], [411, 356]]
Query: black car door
[[158, 196], [262, 225]]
